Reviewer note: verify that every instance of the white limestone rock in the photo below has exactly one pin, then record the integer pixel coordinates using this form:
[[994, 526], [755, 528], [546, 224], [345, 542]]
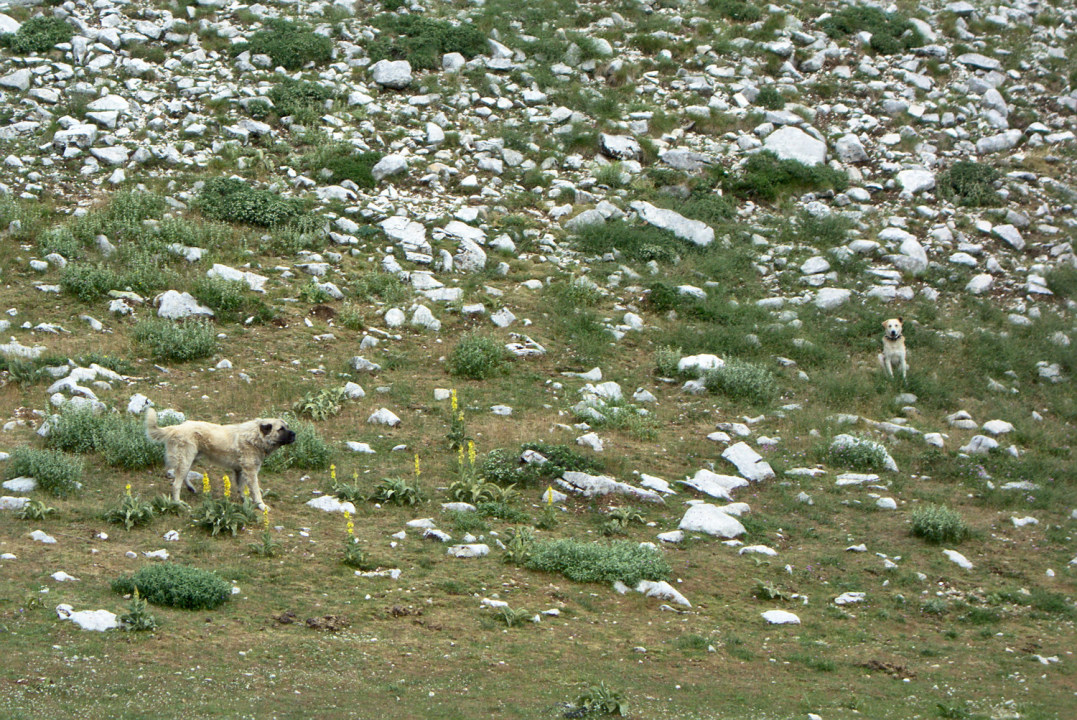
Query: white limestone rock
[[712, 520], [792, 143], [748, 462]]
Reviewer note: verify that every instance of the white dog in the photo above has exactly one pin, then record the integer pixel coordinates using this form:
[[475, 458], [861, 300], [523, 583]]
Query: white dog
[[240, 448], [893, 355]]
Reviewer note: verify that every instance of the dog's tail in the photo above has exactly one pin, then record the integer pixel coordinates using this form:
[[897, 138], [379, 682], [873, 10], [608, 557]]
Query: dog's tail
[[152, 431]]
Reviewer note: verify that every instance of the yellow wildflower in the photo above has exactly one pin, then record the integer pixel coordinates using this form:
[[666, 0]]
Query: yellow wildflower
[[453, 396], [417, 471], [549, 495], [333, 473], [205, 484], [265, 517], [128, 488], [247, 494], [460, 456], [350, 524], [227, 487], [471, 453]]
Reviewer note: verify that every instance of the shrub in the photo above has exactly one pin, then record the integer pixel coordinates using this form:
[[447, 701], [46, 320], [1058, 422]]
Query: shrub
[[290, 45], [857, 453], [232, 200], [477, 357], [501, 511], [131, 511], [397, 491], [323, 404], [422, 41], [34, 510], [770, 98], [579, 561], [641, 243], [218, 514], [1062, 280], [939, 524], [473, 490], [222, 296], [177, 586], [299, 98], [55, 472], [74, 430], [122, 443], [381, 286], [891, 33], [766, 177], [310, 451], [666, 361], [87, 282], [736, 10], [598, 700], [969, 183], [741, 380], [356, 167], [137, 618], [39, 34], [169, 340]]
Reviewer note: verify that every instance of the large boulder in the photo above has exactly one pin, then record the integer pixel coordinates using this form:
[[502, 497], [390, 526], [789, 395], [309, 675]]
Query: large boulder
[[694, 231], [792, 143], [393, 74]]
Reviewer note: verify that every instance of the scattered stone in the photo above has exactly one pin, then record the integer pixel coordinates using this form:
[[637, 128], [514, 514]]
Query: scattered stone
[[96, 620], [712, 520], [781, 617]]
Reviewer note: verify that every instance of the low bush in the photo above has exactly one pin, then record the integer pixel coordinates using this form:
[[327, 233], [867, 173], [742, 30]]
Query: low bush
[[379, 286], [353, 166], [770, 98], [176, 586], [1062, 281], [477, 357], [667, 361], [121, 440], [290, 45], [88, 282], [504, 467], [138, 617], [422, 41], [131, 511], [640, 243], [969, 183], [169, 340], [56, 473], [891, 33], [766, 177], [397, 491], [220, 514], [857, 454], [579, 561], [232, 200], [741, 380], [300, 98], [939, 524], [39, 34], [736, 10], [34, 510]]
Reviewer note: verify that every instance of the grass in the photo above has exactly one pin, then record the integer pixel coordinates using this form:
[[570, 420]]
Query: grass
[[422, 41], [231, 200], [588, 562], [741, 380], [969, 183], [290, 45]]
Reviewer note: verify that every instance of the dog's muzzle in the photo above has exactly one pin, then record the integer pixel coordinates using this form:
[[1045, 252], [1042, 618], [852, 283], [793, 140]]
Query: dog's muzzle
[[287, 437]]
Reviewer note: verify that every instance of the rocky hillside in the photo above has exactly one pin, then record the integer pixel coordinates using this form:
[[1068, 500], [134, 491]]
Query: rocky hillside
[[651, 245]]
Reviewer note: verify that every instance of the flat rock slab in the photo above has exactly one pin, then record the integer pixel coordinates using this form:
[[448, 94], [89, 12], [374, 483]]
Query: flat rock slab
[[749, 463], [593, 485], [96, 620], [781, 617], [328, 503], [469, 551], [711, 520], [715, 485], [694, 231]]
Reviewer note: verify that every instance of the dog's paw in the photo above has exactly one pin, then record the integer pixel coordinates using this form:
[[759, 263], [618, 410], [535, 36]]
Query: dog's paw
[[262, 507]]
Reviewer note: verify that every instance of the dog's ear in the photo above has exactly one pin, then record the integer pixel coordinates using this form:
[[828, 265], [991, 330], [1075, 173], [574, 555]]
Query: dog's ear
[[266, 428], [901, 320], [884, 323]]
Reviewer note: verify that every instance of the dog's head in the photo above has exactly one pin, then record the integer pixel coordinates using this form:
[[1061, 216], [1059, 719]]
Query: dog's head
[[276, 433], [892, 328]]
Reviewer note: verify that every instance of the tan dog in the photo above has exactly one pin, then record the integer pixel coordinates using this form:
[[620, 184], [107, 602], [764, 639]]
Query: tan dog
[[893, 354], [241, 448]]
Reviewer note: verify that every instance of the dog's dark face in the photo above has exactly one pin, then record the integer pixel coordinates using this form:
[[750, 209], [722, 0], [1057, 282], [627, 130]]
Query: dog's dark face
[[276, 433]]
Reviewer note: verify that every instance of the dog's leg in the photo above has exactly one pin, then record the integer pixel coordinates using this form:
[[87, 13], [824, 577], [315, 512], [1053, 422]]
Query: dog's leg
[[250, 475], [885, 364], [904, 368], [180, 460]]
